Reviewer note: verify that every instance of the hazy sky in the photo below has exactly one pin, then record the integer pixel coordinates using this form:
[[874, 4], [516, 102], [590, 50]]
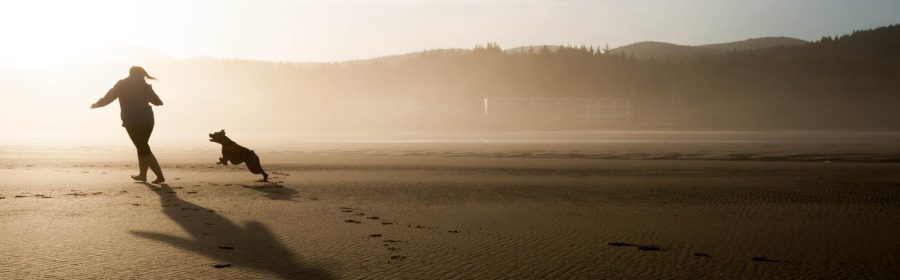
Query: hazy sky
[[35, 31]]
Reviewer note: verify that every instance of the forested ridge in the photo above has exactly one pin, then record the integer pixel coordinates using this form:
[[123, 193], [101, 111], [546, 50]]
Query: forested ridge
[[847, 82]]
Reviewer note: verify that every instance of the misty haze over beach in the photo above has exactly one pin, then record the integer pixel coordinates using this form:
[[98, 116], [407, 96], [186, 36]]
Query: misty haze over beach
[[745, 85]]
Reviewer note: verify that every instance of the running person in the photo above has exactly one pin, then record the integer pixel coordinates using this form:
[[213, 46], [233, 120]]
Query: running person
[[135, 97]]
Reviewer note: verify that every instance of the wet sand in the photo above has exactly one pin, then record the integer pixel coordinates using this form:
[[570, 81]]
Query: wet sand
[[426, 212]]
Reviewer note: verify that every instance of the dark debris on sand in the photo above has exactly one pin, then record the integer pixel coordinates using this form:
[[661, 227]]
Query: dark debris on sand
[[762, 259], [375, 235], [649, 248], [223, 265], [352, 221], [641, 247]]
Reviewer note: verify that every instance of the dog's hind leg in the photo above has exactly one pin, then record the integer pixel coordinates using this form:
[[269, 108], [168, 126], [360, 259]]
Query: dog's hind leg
[[256, 168]]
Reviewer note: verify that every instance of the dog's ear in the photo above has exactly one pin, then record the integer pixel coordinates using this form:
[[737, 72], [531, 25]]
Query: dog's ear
[[222, 131]]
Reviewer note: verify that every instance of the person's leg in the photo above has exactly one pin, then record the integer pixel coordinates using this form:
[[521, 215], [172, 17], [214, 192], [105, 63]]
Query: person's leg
[[154, 165], [137, 138], [150, 159]]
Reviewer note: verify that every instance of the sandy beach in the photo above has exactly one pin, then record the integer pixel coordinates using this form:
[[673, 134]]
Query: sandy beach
[[449, 139], [461, 211]]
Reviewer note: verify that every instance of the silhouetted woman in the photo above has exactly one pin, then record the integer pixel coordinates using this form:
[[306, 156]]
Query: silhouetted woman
[[135, 97]]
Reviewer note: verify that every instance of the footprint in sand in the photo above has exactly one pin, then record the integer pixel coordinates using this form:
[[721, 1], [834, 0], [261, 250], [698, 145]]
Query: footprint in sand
[[375, 235], [397, 258], [76, 193], [224, 265], [702, 254], [352, 221]]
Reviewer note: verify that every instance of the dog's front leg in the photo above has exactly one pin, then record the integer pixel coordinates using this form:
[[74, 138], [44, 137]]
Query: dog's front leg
[[222, 161]]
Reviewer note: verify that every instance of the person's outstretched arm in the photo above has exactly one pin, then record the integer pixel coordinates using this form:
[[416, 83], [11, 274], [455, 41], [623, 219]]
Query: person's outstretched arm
[[154, 99], [110, 96]]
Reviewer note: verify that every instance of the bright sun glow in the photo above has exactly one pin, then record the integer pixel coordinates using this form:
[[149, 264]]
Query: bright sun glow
[[51, 32], [43, 33]]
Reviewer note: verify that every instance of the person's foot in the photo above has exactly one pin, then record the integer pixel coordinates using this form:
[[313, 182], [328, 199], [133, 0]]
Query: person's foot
[[139, 178], [159, 180]]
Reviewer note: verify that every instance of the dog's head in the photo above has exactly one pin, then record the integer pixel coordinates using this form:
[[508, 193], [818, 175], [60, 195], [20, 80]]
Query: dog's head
[[218, 137]]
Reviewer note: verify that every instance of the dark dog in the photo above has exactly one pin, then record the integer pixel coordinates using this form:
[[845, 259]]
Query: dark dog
[[237, 154]]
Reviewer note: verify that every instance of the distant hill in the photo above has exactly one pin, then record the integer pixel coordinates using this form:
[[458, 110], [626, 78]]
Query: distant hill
[[400, 58], [125, 54], [755, 43], [650, 49]]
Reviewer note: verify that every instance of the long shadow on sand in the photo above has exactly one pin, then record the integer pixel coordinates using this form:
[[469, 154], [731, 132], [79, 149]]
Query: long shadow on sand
[[251, 245], [274, 191]]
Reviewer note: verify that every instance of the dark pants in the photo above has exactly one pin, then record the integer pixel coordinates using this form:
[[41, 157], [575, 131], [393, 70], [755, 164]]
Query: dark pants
[[140, 136]]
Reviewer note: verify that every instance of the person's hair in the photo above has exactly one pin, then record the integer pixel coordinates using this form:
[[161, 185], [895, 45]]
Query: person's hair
[[139, 72]]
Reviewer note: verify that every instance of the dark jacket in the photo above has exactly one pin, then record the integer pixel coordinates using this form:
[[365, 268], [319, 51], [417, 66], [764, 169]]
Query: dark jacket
[[135, 97]]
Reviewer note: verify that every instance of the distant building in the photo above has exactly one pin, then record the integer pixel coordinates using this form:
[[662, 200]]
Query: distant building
[[559, 108]]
